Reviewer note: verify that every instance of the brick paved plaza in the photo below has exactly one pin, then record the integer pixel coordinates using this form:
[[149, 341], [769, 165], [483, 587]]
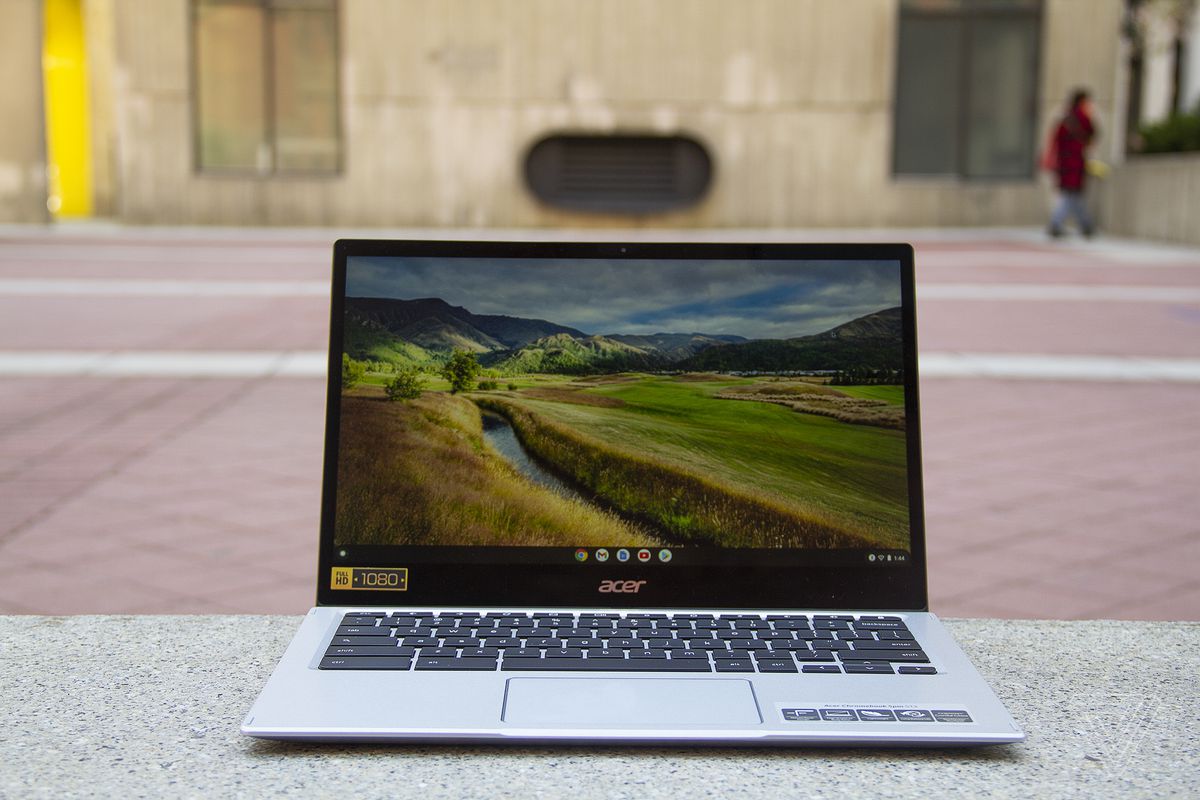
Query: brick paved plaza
[[161, 412]]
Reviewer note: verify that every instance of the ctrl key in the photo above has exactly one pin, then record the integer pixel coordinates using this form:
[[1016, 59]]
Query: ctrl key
[[366, 662]]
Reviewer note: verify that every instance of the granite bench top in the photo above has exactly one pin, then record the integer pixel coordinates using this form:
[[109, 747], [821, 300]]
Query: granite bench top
[[150, 706]]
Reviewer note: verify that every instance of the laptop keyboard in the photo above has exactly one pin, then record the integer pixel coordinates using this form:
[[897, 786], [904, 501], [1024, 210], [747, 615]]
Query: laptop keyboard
[[602, 642]]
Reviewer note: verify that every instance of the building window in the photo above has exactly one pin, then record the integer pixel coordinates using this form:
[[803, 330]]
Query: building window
[[266, 86], [618, 173], [966, 88]]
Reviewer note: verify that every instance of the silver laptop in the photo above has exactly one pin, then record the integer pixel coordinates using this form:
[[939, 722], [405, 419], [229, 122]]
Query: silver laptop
[[638, 493]]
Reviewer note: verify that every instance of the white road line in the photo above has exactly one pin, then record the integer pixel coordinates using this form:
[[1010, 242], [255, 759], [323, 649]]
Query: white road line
[[160, 288], [312, 364], [1058, 292], [88, 287], [1059, 368], [182, 364]]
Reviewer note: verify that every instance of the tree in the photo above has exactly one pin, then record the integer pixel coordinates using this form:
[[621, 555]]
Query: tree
[[461, 370], [352, 372], [406, 385]]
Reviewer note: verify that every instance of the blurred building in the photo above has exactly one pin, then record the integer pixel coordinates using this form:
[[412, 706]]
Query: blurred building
[[427, 113]]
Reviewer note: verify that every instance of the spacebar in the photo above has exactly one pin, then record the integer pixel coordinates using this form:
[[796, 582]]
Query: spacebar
[[605, 665]]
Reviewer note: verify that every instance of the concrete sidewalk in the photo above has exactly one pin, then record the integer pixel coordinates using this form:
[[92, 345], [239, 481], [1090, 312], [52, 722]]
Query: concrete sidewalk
[[161, 420]]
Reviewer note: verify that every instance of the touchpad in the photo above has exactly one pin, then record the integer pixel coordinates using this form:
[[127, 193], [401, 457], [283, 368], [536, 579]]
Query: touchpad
[[629, 702]]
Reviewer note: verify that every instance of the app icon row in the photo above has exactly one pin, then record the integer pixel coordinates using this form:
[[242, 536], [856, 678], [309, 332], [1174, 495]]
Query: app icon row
[[602, 554]]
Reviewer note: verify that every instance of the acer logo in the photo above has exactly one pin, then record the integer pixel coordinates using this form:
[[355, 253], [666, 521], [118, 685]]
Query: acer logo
[[623, 587]]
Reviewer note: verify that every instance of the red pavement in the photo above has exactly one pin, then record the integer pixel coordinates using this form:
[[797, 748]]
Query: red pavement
[[1045, 498]]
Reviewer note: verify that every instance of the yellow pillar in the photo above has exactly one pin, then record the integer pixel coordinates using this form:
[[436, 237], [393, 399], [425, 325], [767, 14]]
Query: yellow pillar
[[68, 128]]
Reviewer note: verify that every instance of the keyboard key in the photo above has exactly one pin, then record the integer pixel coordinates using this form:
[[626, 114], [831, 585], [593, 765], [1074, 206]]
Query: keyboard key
[[421, 641], [362, 630], [626, 644], [791, 625], [879, 625], [734, 665], [905, 669], [715, 645], [890, 644], [367, 662], [493, 633], [544, 641], [605, 653], [460, 641], [336, 651], [813, 655], [358, 621], [451, 652], [775, 665], [478, 652], [442, 663], [573, 652], [830, 624], [753, 624], [414, 631], [522, 652], [604, 665], [647, 654], [509, 642], [868, 667], [822, 669], [882, 655], [357, 640], [885, 635]]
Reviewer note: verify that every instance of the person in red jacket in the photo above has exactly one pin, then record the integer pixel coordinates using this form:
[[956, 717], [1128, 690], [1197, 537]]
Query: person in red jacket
[[1071, 140]]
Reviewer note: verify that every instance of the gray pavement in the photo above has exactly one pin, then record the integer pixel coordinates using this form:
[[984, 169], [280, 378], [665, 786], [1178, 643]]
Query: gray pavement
[[161, 408], [149, 707]]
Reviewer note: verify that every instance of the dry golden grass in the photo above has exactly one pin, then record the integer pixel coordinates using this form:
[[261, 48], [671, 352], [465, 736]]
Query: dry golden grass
[[421, 473], [575, 396], [701, 376], [825, 401]]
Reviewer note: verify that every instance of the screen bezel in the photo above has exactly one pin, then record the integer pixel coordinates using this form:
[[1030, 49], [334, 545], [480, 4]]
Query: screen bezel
[[901, 587]]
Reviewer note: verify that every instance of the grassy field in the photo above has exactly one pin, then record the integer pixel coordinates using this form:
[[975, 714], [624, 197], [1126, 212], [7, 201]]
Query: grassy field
[[420, 473], [730, 473]]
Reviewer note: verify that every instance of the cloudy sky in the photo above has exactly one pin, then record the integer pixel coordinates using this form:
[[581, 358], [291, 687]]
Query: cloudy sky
[[755, 299]]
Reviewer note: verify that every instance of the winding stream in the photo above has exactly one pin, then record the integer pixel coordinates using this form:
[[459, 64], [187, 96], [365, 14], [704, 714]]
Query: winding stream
[[500, 435]]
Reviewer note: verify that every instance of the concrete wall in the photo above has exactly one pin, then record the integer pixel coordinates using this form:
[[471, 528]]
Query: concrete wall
[[442, 98], [22, 138], [1154, 197]]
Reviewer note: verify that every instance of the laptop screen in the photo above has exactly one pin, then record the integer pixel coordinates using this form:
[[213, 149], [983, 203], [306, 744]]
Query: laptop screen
[[606, 415]]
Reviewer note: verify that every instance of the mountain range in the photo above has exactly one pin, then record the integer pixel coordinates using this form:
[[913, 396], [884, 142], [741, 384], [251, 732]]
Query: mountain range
[[426, 331]]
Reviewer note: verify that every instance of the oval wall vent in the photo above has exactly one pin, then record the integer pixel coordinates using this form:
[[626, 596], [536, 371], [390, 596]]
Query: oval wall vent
[[628, 174]]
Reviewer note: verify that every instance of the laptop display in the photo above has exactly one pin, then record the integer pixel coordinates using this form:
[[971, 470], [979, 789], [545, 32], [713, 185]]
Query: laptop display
[[671, 413]]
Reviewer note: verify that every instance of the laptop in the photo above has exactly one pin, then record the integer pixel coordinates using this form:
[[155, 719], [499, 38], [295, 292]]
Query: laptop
[[624, 493]]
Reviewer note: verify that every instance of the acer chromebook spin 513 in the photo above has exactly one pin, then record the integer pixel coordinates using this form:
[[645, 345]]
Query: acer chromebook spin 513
[[624, 493]]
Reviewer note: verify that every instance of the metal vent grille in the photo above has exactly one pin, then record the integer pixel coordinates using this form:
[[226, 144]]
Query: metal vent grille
[[618, 173]]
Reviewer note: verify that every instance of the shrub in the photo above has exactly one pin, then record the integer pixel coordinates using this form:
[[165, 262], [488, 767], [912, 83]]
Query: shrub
[[406, 385], [1178, 133], [512, 387], [489, 386]]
